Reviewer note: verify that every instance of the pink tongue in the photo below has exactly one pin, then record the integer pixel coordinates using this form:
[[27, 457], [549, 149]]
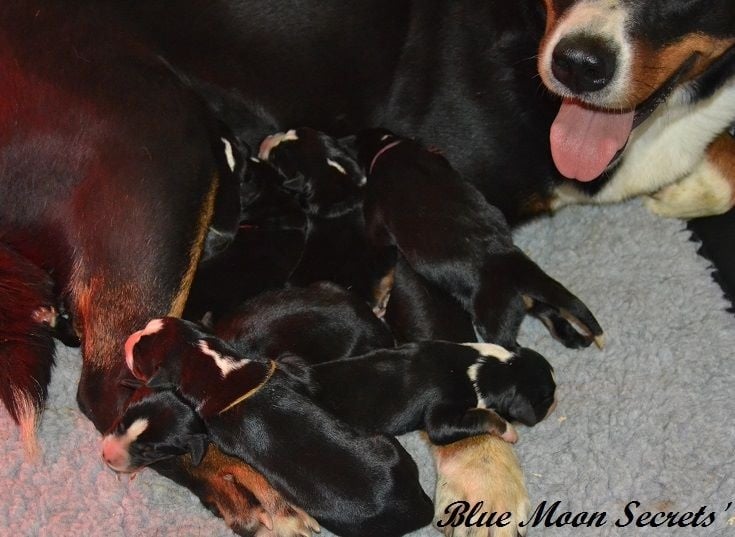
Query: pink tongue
[[584, 141]]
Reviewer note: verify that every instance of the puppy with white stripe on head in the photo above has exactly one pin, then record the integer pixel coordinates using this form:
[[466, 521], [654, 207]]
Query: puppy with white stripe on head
[[262, 412]]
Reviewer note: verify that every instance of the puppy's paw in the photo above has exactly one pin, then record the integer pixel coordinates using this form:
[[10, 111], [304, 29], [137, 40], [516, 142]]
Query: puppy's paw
[[563, 326], [290, 521], [481, 473], [704, 192]]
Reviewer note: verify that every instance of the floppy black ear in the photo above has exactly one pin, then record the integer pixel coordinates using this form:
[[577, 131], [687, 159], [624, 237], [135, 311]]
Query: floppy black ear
[[297, 183], [515, 406], [166, 377], [197, 445]]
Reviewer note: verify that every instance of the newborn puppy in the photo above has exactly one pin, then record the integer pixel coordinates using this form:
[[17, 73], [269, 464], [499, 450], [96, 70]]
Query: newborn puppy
[[454, 238], [419, 310], [328, 183], [265, 250], [318, 323], [451, 391], [156, 425], [262, 413]]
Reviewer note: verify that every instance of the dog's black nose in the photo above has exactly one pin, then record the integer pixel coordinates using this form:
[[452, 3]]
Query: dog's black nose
[[583, 63]]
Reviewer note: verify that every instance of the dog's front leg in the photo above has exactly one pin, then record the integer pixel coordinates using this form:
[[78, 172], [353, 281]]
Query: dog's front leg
[[482, 471], [708, 190]]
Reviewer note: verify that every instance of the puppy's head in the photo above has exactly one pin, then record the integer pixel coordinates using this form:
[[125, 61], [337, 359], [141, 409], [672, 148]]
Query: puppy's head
[[156, 426], [177, 355], [170, 352], [519, 386], [615, 61], [317, 169], [262, 198]]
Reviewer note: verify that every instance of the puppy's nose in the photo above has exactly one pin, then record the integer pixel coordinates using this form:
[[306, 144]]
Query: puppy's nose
[[583, 63]]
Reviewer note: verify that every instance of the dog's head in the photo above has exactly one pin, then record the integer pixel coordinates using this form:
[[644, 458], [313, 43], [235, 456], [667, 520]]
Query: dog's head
[[324, 176], [156, 426], [615, 61], [518, 385]]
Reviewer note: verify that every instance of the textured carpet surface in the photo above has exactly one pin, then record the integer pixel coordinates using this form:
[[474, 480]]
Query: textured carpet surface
[[649, 419]]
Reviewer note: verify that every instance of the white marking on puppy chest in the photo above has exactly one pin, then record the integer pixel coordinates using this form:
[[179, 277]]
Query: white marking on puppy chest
[[226, 364]]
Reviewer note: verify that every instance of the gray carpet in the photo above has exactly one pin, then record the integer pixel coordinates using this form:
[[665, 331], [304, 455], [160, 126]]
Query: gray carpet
[[649, 419]]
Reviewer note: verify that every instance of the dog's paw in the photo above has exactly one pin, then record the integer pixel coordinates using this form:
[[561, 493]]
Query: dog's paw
[[704, 192], [289, 521], [481, 473], [570, 331]]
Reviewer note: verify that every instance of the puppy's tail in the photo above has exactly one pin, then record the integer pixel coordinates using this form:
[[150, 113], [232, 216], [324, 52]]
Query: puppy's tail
[[27, 348], [515, 285]]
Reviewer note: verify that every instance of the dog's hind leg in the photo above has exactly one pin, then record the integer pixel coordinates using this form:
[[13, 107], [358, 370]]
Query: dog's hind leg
[[27, 320]]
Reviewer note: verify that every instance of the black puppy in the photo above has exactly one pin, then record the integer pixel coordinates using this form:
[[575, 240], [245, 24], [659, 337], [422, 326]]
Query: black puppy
[[318, 323], [449, 390], [265, 249], [419, 310], [329, 185], [157, 425], [453, 237], [353, 484]]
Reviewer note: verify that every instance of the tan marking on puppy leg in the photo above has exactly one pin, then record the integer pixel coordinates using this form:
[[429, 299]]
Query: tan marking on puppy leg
[[381, 293], [481, 469], [651, 67], [195, 252], [708, 190], [226, 474]]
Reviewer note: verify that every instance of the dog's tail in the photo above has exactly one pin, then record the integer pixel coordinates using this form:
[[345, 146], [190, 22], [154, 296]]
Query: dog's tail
[[27, 348], [515, 285]]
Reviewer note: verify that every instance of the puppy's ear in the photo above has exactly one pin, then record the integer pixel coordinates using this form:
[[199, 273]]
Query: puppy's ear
[[197, 446], [520, 409], [166, 377], [298, 183]]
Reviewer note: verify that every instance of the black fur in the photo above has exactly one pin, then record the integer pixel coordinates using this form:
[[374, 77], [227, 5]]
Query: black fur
[[351, 483], [427, 386], [264, 251], [173, 429], [329, 184], [319, 323], [451, 236]]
